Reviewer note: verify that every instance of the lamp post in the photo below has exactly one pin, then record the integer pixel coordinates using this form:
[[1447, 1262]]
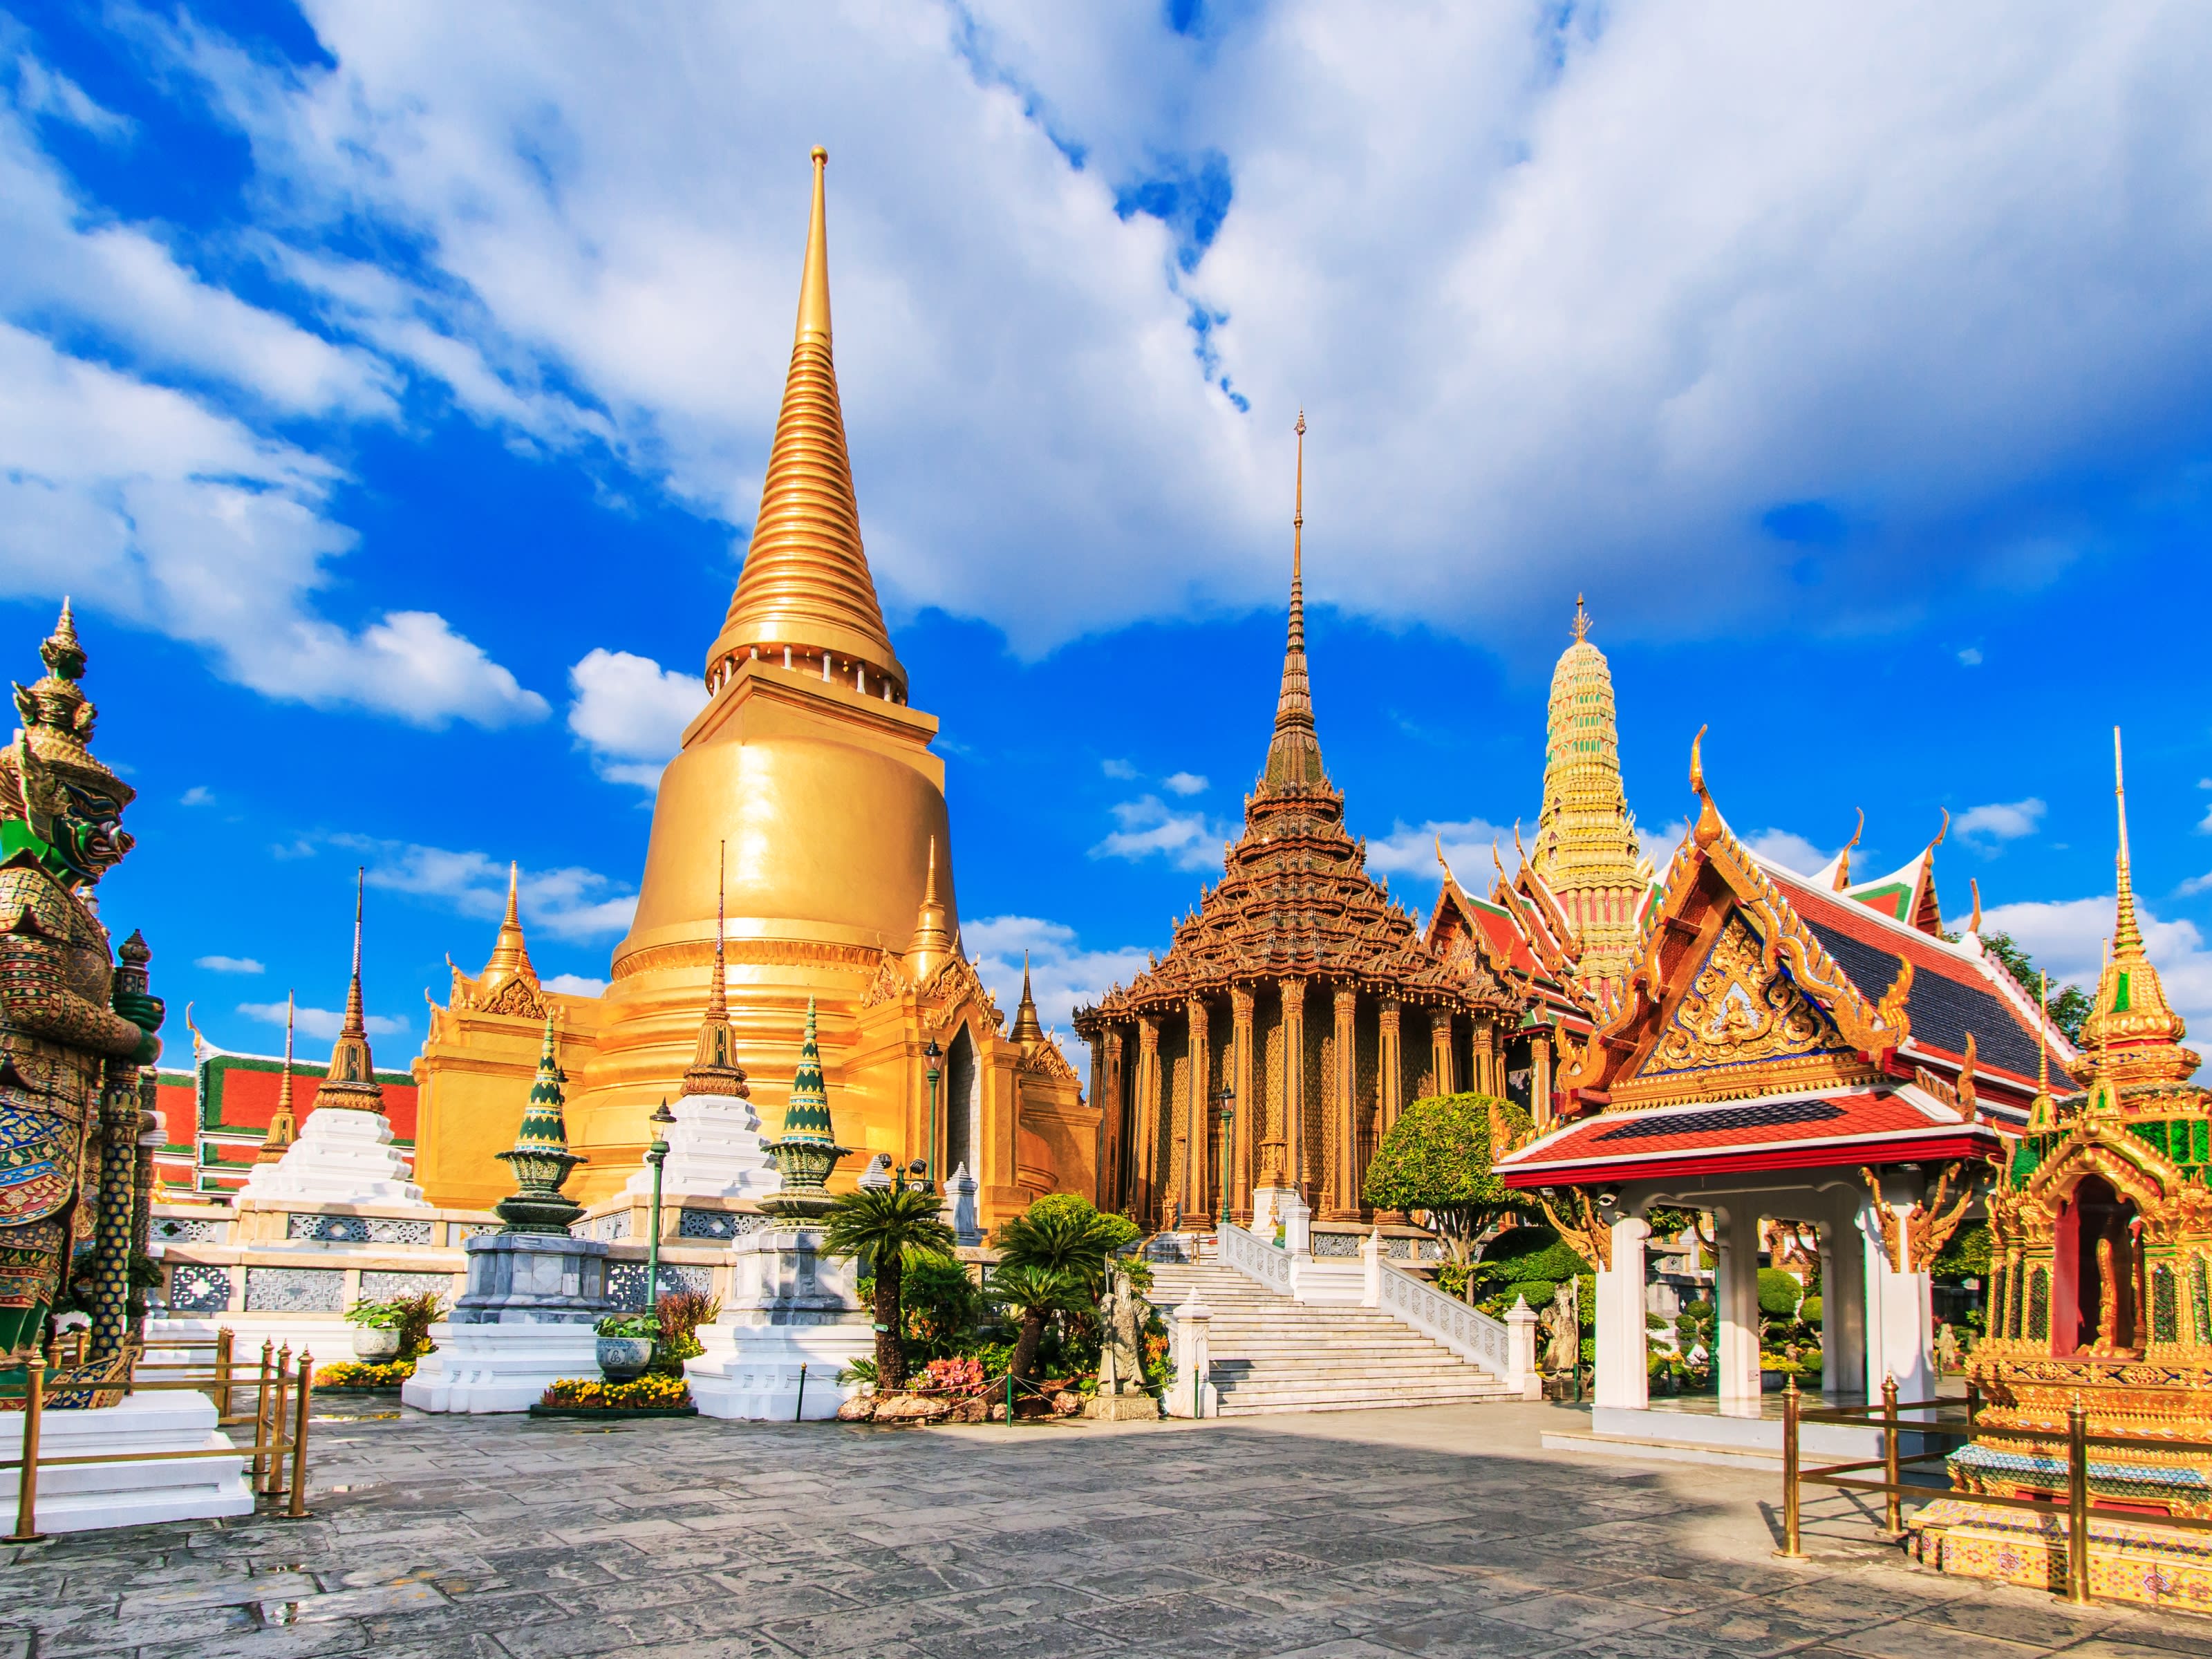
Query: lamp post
[[1228, 1099], [932, 1057], [656, 1155]]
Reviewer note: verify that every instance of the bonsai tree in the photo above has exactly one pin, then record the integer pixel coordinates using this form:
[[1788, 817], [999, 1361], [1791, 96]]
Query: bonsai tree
[[1061, 1233], [893, 1228], [1033, 1294], [1439, 1157]]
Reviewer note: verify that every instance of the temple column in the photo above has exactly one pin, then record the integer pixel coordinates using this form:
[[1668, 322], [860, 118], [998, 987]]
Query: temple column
[[1198, 1190], [1900, 1323], [119, 1146], [1389, 1069], [1148, 1121], [1735, 1305], [1482, 1058], [1114, 1109], [1623, 1360], [1540, 1078], [1294, 1085], [1843, 1312], [1241, 1142], [1440, 1048], [1340, 1185]]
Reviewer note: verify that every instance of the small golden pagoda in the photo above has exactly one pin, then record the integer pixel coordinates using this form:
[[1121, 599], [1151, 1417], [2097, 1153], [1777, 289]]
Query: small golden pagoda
[[2102, 1251], [809, 764], [1586, 855]]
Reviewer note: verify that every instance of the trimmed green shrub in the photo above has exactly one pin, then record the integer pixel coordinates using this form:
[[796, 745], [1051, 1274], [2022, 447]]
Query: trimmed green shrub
[[1808, 1311], [1779, 1294], [1966, 1255], [1437, 1158]]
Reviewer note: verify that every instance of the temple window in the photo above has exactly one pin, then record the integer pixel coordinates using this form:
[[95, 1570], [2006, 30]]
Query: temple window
[[2097, 1270]]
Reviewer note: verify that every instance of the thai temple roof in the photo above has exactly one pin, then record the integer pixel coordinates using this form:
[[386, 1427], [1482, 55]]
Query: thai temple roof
[[806, 582]]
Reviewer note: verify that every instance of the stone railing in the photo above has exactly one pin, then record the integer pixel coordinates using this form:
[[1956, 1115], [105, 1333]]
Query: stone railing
[[1506, 1347], [1257, 1258]]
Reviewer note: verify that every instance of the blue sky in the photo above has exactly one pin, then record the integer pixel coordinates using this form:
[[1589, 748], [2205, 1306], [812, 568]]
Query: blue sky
[[391, 385]]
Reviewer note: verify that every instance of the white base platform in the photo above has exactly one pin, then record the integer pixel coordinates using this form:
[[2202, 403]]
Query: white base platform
[[343, 1156], [91, 1497], [498, 1367], [1698, 1433], [752, 1371], [714, 1151]]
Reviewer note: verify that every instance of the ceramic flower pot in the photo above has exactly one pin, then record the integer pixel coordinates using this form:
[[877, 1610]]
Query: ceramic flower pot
[[623, 1358], [374, 1346]]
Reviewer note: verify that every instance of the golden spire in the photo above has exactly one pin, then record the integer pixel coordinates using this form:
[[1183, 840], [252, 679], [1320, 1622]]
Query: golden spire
[[283, 1126], [714, 1069], [1026, 1028], [510, 956], [931, 947], [351, 1081], [1586, 850], [1294, 753], [805, 582], [2133, 1030]]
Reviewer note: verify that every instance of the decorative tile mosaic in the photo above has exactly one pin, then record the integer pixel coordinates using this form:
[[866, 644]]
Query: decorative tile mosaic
[[360, 1229], [1335, 1244], [462, 1231], [174, 1230], [387, 1287], [294, 1290], [195, 1287], [718, 1223], [605, 1227], [626, 1282]]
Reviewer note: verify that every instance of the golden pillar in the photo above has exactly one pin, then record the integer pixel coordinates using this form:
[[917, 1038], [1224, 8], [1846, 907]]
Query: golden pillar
[[1242, 1146], [1389, 1070], [1540, 1078], [1440, 1048], [1198, 1193], [1113, 1173], [1294, 1085], [1340, 1188], [1148, 1120]]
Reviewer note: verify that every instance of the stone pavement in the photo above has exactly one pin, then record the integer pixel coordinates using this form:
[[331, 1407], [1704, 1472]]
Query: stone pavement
[[1363, 1535]]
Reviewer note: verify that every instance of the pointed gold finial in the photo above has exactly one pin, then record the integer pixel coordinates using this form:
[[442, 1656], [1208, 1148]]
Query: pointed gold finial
[[806, 584], [1708, 829], [1581, 621], [2127, 932], [1974, 922], [932, 945], [2042, 1042], [2133, 1028], [1843, 858], [714, 1069], [351, 1081], [1294, 752], [1027, 1030], [283, 1126], [510, 953]]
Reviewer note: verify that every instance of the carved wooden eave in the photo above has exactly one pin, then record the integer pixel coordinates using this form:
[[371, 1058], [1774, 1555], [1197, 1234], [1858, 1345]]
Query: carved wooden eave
[[1046, 1060], [519, 997]]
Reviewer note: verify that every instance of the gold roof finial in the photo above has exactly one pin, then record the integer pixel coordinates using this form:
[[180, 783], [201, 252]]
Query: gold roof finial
[[1294, 753], [352, 1078], [2133, 1028], [714, 1069], [2127, 933], [932, 945], [283, 1126], [510, 954], [806, 582], [1844, 858], [1026, 1028], [1709, 825], [1974, 922], [1581, 621]]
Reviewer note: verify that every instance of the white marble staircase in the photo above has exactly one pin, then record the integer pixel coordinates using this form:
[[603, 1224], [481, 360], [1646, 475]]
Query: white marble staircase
[[1271, 1353]]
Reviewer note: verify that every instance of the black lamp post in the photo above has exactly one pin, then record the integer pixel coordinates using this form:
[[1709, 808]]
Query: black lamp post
[[1227, 1098], [656, 1155], [933, 1057]]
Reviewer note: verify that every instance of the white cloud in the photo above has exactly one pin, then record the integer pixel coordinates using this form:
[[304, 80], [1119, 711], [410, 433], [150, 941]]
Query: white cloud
[[1411, 850], [198, 795], [41, 91], [1785, 847], [1183, 783], [1150, 826], [1999, 821], [1971, 656], [1062, 975], [629, 712], [1661, 845], [229, 964], [322, 1024], [1121, 770], [567, 904], [576, 985]]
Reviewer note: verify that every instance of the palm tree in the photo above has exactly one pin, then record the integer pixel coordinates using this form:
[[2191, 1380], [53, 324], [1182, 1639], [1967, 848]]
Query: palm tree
[[1034, 1293], [893, 1227], [1060, 1235]]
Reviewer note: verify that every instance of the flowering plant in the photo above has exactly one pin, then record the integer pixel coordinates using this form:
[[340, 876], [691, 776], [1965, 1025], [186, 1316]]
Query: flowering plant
[[961, 1375], [349, 1375], [650, 1390]]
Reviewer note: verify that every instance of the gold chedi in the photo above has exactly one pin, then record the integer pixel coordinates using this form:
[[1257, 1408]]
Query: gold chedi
[[809, 765]]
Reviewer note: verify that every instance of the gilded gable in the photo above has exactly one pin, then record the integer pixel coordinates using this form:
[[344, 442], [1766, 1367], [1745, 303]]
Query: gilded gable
[[1742, 1016]]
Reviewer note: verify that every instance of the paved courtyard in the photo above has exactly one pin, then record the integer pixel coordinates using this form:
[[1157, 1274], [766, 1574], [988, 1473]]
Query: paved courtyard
[[1362, 1535]]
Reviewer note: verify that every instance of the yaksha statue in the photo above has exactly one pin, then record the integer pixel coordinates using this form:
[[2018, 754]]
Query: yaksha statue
[[73, 1031]]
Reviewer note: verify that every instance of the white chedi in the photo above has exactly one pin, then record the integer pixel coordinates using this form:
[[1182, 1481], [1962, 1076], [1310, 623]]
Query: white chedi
[[714, 1151], [343, 1156]]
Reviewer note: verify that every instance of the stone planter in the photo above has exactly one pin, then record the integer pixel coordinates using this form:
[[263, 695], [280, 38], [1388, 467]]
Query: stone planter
[[374, 1346], [624, 1358]]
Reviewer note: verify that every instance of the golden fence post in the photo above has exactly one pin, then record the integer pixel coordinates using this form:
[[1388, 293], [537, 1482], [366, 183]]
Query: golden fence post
[[84, 1339], [1893, 1507], [1973, 1402], [53, 1349], [27, 1489], [261, 1417], [298, 1512], [222, 1342], [1790, 1404], [274, 1486], [2077, 1504]]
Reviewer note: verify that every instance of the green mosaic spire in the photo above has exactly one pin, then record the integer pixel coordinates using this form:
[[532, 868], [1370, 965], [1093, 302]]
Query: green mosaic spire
[[541, 1159], [806, 1153], [807, 1116]]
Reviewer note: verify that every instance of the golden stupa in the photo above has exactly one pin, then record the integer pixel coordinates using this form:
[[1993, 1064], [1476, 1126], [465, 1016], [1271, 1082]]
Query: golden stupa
[[810, 767]]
